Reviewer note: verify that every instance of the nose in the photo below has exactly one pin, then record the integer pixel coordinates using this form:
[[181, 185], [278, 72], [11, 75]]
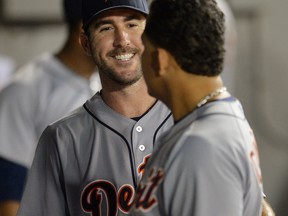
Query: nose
[[121, 38]]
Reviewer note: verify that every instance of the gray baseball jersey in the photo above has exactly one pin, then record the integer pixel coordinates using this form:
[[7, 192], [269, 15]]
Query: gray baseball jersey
[[207, 164], [40, 93], [90, 162]]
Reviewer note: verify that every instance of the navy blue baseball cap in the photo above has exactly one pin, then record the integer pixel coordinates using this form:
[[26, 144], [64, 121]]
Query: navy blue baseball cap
[[92, 8]]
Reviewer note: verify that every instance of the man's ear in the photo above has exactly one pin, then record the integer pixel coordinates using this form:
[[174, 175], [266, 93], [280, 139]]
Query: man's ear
[[84, 41], [163, 60]]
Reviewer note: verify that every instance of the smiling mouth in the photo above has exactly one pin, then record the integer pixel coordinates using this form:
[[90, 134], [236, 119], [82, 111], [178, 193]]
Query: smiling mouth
[[124, 57]]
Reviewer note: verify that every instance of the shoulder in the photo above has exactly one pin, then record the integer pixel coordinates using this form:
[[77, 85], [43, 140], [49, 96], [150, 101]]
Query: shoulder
[[29, 76], [26, 83], [39, 77], [194, 147], [68, 129], [201, 150], [70, 121], [33, 69], [18, 96]]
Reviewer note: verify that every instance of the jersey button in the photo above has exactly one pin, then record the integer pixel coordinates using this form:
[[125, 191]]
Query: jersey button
[[139, 129], [142, 148]]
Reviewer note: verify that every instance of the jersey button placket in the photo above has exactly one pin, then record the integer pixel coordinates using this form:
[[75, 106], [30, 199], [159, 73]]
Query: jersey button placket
[[139, 129], [142, 148]]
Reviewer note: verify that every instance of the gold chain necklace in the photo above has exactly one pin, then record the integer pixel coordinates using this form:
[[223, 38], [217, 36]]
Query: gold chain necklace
[[212, 95]]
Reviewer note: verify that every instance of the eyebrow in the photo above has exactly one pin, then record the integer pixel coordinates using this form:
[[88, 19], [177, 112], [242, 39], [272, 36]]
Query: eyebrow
[[132, 17]]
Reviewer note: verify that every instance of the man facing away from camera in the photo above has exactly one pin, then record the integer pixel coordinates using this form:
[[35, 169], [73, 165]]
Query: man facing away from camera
[[207, 163]]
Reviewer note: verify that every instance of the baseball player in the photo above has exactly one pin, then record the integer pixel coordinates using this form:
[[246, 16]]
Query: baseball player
[[207, 163], [40, 93], [90, 162]]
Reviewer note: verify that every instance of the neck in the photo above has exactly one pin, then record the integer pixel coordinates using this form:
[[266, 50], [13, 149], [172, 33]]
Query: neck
[[131, 101], [211, 96], [73, 57], [194, 93]]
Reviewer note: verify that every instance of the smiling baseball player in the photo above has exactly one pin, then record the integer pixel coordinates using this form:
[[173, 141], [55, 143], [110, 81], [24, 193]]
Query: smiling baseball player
[[90, 162]]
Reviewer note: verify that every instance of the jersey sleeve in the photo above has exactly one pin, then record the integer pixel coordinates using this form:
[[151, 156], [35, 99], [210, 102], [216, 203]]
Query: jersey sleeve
[[17, 120], [208, 182], [44, 191]]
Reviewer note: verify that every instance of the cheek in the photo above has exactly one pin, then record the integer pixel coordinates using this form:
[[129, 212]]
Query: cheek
[[141, 46], [137, 41], [99, 48]]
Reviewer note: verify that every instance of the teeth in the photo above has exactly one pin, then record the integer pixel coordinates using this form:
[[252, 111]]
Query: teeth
[[125, 57]]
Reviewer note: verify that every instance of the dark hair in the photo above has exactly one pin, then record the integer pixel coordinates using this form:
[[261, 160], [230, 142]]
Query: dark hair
[[192, 31], [72, 12]]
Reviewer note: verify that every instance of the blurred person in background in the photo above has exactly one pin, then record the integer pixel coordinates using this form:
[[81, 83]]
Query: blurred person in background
[[40, 92], [7, 66]]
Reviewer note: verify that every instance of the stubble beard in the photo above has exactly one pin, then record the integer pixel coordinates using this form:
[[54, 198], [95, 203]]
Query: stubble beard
[[112, 72]]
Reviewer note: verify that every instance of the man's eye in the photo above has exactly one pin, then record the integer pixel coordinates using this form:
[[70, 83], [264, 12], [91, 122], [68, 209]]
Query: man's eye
[[131, 25], [105, 29]]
